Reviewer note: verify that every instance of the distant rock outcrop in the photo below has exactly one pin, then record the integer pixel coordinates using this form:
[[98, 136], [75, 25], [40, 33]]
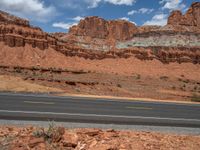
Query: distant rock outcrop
[[8, 18], [175, 17], [191, 18], [96, 27], [121, 29], [96, 38], [17, 32]]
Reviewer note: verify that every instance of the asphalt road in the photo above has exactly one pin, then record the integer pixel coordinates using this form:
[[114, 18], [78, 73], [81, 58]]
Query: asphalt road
[[91, 110]]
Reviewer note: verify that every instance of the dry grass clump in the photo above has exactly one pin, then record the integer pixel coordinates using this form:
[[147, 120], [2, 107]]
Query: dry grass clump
[[52, 134]]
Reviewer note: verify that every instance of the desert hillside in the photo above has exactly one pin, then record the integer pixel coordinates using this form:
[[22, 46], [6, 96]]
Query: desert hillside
[[107, 57]]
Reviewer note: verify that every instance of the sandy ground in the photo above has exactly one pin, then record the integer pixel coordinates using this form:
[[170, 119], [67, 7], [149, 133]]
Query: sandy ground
[[16, 84], [127, 98], [99, 85], [32, 138], [28, 56], [108, 77]]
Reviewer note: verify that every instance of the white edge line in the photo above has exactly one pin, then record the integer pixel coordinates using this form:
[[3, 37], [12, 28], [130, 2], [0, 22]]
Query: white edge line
[[97, 115]]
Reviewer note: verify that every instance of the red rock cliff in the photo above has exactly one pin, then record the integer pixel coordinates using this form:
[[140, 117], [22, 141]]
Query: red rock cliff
[[191, 18], [96, 27], [95, 32], [8, 18]]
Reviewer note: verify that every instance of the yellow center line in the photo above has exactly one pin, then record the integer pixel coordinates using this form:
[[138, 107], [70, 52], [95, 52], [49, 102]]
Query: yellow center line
[[46, 103], [144, 108]]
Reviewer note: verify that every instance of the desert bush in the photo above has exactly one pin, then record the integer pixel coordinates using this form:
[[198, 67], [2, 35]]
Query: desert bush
[[195, 98], [183, 87], [52, 134], [55, 70], [78, 90], [182, 76], [4, 67], [179, 79], [138, 76], [34, 68], [195, 88], [164, 78], [186, 81], [18, 69], [119, 85], [173, 87]]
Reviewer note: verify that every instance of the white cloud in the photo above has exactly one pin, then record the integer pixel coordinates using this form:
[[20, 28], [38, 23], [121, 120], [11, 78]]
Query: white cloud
[[121, 2], [140, 11], [95, 3], [32, 9], [158, 19], [83, 4], [127, 19], [77, 18], [124, 18], [145, 10], [66, 26], [169, 5], [172, 4], [132, 12], [63, 25]]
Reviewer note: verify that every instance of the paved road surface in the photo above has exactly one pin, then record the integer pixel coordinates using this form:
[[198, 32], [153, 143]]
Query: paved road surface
[[91, 110]]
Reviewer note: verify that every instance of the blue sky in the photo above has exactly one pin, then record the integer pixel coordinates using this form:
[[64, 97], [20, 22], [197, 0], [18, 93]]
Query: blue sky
[[59, 15]]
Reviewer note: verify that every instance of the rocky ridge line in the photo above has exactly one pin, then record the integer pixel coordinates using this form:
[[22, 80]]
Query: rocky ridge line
[[190, 18], [16, 32]]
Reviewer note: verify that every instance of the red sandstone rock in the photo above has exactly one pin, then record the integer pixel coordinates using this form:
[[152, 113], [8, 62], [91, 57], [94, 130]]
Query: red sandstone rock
[[121, 29], [35, 141], [191, 18], [97, 33], [7, 18], [175, 17], [93, 132], [127, 140], [96, 27]]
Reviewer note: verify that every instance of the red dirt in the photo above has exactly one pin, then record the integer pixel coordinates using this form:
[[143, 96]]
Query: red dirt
[[32, 138]]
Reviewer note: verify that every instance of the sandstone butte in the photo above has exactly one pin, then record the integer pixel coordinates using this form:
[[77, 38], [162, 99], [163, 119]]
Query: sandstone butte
[[95, 38]]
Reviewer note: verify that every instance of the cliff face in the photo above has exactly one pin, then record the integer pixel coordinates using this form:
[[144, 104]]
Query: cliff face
[[91, 26], [17, 32], [10, 19], [96, 27], [96, 38], [191, 18], [99, 34], [181, 32], [175, 17], [18, 36], [121, 29]]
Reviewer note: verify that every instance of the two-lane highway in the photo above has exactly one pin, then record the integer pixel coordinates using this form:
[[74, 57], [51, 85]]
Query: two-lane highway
[[91, 110]]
